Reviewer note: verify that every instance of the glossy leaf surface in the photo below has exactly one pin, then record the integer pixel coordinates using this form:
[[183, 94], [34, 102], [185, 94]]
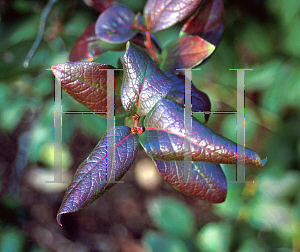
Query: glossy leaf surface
[[89, 46], [203, 180], [200, 100], [185, 52], [116, 25], [86, 82], [161, 14], [91, 178], [144, 84], [164, 139], [207, 22], [100, 5]]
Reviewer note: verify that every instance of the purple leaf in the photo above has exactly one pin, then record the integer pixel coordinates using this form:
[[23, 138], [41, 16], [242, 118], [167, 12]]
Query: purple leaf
[[144, 84], [185, 52], [100, 5], [165, 137], [200, 100], [91, 179], [116, 25], [202, 180], [161, 14], [207, 22], [86, 82], [89, 46]]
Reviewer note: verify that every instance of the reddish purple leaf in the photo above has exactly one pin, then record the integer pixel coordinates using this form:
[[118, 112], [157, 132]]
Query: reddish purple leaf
[[89, 46], [164, 139], [144, 84], [116, 25], [200, 100], [161, 14], [92, 178], [100, 5], [203, 180], [86, 82], [207, 22], [185, 52]]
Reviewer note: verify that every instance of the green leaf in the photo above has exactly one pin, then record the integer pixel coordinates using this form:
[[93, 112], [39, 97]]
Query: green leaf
[[214, 237], [162, 243], [12, 240], [172, 216], [263, 75], [233, 203], [252, 244]]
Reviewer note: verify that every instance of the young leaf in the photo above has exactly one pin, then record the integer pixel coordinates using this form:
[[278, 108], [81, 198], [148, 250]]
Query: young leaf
[[144, 84], [91, 179], [116, 25], [202, 180], [200, 100], [161, 14], [86, 82], [89, 46], [207, 22], [99, 5], [165, 137], [185, 52]]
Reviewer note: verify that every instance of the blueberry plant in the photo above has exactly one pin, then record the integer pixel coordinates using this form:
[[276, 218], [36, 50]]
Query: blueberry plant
[[150, 91]]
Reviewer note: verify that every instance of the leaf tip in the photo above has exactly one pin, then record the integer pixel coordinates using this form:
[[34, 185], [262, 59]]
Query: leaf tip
[[56, 71], [58, 216], [211, 48], [263, 162], [127, 45]]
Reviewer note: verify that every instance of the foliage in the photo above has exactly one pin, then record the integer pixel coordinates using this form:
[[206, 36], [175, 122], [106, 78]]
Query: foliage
[[142, 88], [263, 216]]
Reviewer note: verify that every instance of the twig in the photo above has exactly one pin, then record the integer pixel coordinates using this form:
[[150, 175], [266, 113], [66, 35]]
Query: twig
[[38, 39], [149, 46]]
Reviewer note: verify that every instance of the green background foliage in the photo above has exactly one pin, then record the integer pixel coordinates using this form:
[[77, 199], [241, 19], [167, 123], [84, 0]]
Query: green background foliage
[[260, 216]]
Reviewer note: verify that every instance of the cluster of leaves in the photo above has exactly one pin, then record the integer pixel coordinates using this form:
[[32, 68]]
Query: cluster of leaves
[[149, 91]]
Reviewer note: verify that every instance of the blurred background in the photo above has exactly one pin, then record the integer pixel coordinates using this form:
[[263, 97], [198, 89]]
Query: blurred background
[[145, 213]]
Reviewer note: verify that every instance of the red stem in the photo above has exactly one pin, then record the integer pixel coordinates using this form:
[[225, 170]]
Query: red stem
[[149, 46]]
